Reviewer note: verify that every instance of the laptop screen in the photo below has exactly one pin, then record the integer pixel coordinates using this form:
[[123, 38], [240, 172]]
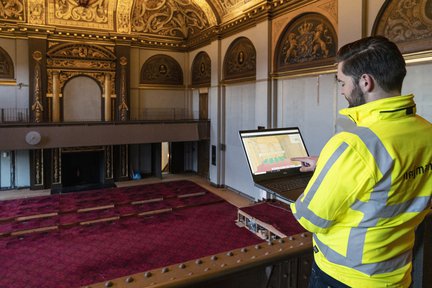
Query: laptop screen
[[271, 150]]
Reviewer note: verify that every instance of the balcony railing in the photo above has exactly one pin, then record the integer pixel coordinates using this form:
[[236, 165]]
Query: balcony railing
[[163, 114], [14, 115], [21, 115]]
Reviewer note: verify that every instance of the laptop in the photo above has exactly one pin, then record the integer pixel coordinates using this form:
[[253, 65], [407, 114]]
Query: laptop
[[269, 153]]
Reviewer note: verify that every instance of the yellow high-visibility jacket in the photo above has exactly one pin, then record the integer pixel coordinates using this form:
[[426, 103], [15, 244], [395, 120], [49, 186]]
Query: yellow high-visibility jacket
[[371, 188]]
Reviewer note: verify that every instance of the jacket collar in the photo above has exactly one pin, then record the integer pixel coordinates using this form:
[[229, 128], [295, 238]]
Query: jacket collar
[[387, 108]]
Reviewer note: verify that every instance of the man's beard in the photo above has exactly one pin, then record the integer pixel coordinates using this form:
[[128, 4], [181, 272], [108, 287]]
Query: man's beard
[[356, 98]]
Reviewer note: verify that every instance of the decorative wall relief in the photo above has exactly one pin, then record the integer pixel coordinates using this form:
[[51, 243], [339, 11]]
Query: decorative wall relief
[[161, 70], [56, 165], [201, 69], [38, 162], [81, 51], [12, 10], [240, 60], [108, 155], [406, 22], [307, 41], [175, 18], [6, 65], [124, 160], [123, 108], [97, 14], [37, 106], [73, 59]]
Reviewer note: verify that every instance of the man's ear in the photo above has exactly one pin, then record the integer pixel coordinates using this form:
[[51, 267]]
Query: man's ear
[[367, 83]]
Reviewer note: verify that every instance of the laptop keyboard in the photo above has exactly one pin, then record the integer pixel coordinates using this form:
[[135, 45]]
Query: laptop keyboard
[[289, 184]]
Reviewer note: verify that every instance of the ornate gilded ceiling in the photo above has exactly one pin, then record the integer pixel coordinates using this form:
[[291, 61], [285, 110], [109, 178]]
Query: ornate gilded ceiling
[[178, 23]]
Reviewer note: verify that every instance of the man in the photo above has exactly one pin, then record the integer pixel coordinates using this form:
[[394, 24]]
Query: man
[[372, 186]]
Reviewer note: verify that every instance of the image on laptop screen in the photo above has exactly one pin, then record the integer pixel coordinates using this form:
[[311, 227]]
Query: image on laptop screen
[[271, 150]]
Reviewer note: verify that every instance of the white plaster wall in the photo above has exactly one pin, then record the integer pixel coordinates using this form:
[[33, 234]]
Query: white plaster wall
[[418, 81], [373, 7], [22, 166], [351, 21], [240, 115], [82, 100], [157, 98], [246, 107], [5, 170], [13, 96], [308, 103]]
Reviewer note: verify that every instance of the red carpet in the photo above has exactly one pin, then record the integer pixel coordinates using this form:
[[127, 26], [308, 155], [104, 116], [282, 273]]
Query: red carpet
[[73, 255]]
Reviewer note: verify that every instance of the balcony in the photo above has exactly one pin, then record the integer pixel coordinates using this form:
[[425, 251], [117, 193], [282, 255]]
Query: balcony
[[146, 126]]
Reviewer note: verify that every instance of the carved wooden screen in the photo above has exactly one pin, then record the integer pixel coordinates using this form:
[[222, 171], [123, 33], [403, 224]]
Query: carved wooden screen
[[6, 65], [408, 23], [307, 42], [201, 70], [161, 70], [240, 60]]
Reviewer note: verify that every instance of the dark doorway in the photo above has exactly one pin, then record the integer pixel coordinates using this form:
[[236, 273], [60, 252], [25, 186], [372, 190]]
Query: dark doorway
[[82, 168], [203, 106], [177, 154], [203, 158]]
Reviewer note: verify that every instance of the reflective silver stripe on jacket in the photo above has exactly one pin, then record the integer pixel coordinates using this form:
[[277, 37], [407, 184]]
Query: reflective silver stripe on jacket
[[303, 207], [373, 210]]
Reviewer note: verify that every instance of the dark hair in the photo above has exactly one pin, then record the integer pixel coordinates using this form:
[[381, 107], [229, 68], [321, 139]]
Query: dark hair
[[376, 56]]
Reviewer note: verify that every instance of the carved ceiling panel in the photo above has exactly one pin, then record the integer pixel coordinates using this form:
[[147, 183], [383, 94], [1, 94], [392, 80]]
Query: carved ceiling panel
[[181, 24], [174, 18], [406, 22], [12, 10], [95, 14], [232, 8]]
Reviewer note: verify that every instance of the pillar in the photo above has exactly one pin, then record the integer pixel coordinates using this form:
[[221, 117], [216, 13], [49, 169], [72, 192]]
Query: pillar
[[55, 97], [107, 97]]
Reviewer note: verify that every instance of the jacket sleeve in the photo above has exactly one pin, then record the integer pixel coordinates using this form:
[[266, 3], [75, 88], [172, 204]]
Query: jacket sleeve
[[342, 176]]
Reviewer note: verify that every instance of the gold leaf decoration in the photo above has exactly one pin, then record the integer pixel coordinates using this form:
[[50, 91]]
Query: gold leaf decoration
[[12, 10], [97, 14], [176, 18], [36, 13]]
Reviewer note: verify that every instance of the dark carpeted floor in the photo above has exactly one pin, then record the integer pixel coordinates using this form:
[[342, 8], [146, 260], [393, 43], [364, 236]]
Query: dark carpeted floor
[[188, 222]]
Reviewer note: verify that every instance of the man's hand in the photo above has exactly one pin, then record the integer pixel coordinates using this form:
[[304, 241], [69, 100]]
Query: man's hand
[[308, 163]]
